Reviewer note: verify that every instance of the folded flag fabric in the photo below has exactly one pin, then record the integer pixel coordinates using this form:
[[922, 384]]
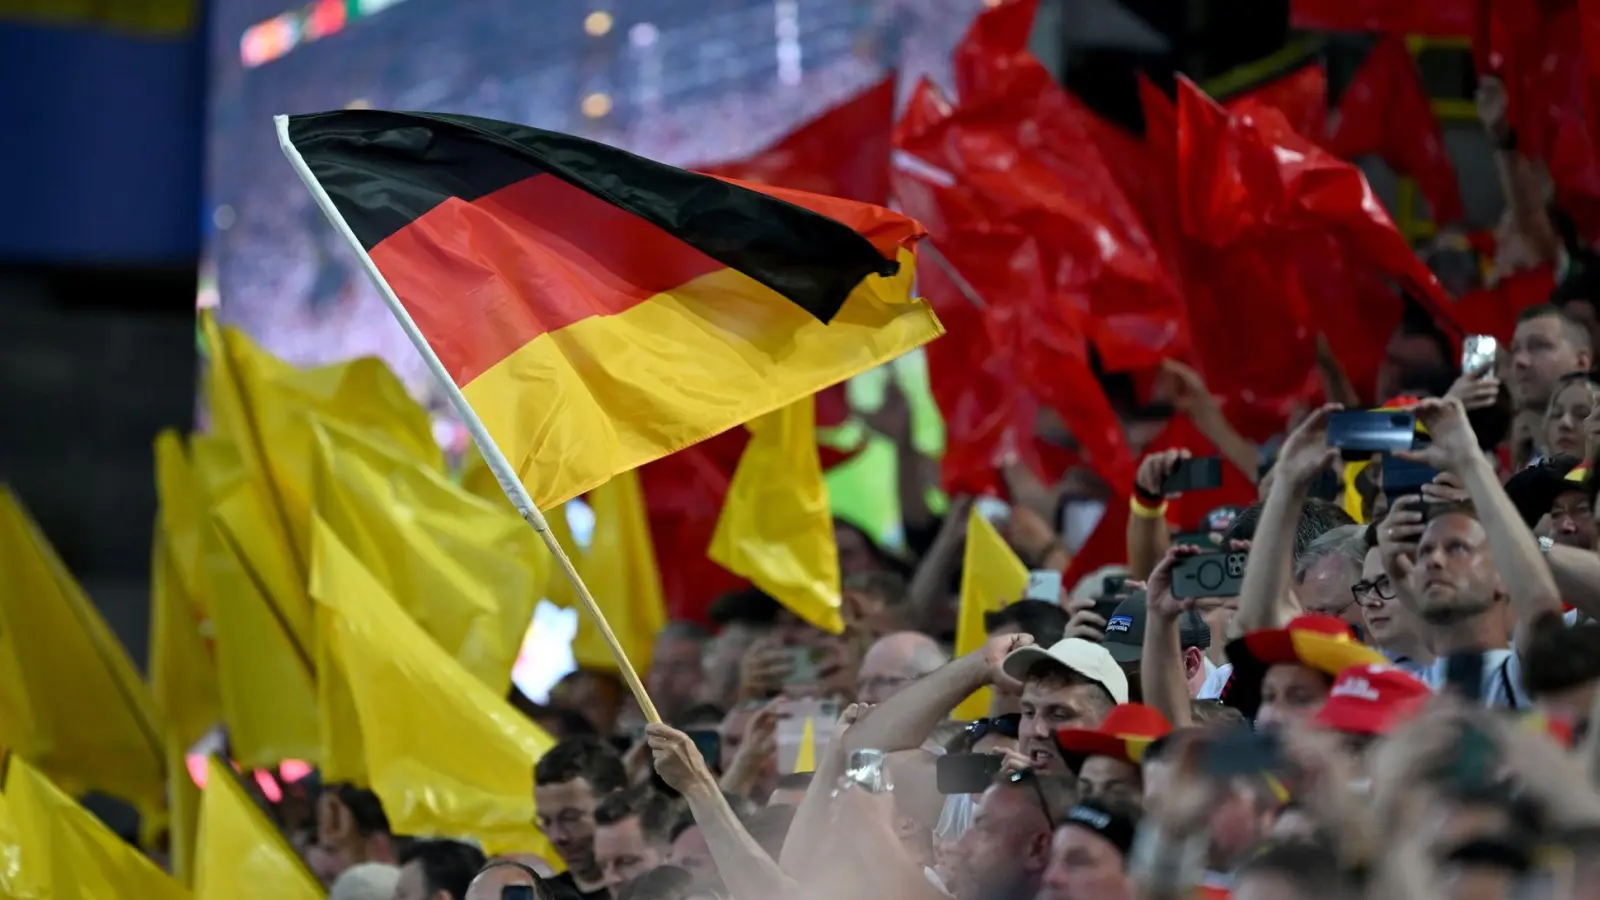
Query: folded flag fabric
[[242, 855], [992, 578], [599, 310]]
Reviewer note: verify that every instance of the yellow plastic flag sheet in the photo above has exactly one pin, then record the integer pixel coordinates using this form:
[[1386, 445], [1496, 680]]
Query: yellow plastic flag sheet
[[62, 852], [991, 577], [445, 754], [621, 573], [776, 528], [465, 570], [70, 699], [264, 671], [242, 856]]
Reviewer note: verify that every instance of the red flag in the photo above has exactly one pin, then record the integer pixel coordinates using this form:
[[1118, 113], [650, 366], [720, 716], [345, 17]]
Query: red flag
[[842, 153], [1386, 112], [1435, 18], [1301, 95]]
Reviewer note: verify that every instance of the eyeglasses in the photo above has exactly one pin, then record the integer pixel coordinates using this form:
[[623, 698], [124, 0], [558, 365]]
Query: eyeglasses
[[1008, 725], [1032, 778], [1380, 587]]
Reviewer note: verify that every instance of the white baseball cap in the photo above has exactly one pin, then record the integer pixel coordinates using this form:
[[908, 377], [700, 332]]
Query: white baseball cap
[[1084, 657]]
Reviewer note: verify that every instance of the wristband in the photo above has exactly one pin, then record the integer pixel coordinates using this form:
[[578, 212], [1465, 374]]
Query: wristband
[[1149, 498], [1142, 510]]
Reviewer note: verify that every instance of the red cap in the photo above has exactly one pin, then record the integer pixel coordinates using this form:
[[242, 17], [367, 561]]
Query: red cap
[[1372, 700], [1124, 734]]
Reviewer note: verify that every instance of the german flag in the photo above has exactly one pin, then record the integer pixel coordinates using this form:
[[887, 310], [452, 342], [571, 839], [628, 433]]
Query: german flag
[[599, 310]]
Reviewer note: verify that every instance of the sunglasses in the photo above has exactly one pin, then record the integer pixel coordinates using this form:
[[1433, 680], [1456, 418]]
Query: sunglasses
[[1008, 725], [1032, 778]]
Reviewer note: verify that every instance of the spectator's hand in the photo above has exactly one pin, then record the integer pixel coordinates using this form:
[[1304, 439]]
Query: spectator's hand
[[1189, 392], [763, 669], [1445, 488], [1158, 590], [1454, 446], [1477, 389], [1591, 428], [1305, 453], [893, 418], [676, 758], [758, 752], [1493, 104], [1155, 469], [1030, 534], [1013, 760], [994, 653], [1083, 622], [1398, 534]]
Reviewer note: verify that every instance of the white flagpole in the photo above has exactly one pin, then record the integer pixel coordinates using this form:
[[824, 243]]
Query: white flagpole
[[496, 460]]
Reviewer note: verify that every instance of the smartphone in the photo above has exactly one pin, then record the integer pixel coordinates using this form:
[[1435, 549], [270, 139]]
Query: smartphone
[[1478, 351], [709, 743], [1043, 584], [517, 892], [1401, 476], [1371, 431], [802, 665], [1241, 751], [965, 773], [1105, 606], [1209, 575], [1463, 673], [1202, 473]]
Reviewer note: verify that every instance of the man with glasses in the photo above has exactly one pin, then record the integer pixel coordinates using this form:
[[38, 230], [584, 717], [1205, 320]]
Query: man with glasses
[[895, 661], [1005, 852], [1387, 624]]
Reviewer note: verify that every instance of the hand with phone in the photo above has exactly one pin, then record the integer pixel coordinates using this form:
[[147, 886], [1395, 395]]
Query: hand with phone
[[1305, 454], [1155, 469], [1453, 445], [1476, 388], [757, 756], [766, 667], [1398, 535]]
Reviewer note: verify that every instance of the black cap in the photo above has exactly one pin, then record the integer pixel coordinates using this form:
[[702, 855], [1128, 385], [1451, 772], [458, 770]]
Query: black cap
[[1109, 824], [1535, 489], [1125, 629]]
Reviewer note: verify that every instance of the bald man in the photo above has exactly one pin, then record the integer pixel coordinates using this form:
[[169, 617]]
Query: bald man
[[894, 661], [509, 871]]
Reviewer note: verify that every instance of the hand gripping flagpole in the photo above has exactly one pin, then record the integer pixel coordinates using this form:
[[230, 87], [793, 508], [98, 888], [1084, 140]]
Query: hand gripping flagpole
[[496, 460]]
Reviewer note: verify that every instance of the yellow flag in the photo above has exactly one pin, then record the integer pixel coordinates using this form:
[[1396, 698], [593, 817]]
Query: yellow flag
[[991, 577], [620, 571], [776, 528], [445, 754], [242, 856], [70, 700], [263, 405], [183, 678], [468, 572], [62, 852], [264, 670], [183, 682]]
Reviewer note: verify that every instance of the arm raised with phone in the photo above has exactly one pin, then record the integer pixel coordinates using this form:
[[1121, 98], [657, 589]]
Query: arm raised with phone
[[1266, 599]]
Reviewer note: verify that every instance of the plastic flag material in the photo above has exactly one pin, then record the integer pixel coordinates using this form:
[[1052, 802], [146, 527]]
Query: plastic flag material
[[261, 404], [445, 754], [808, 158], [776, 528], [1300, 94], [242, 855], [265, 672], [806, 761], [467, 571], [620, 570], [62, 852], [1385, 111], [992, 577], [183, 677], [71, 702]]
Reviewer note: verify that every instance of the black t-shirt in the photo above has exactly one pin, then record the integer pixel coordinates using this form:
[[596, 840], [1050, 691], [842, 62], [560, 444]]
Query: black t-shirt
[[563, 887]]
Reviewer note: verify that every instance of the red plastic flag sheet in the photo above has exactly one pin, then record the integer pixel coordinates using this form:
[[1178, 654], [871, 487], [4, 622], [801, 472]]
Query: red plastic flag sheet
[[1300, 94], [1386, 112], [1434, 18]]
